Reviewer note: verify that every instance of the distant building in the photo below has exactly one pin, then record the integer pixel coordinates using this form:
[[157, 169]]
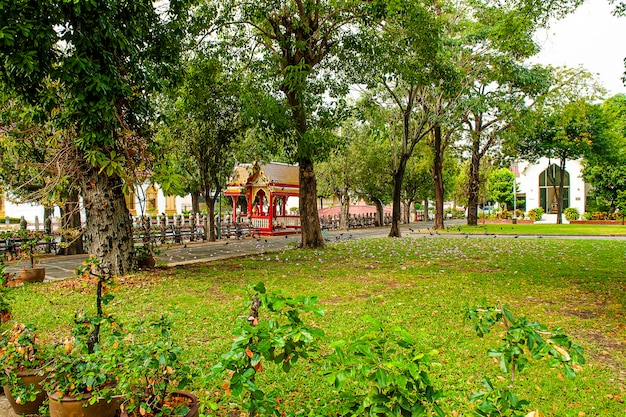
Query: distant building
[[536, 184]]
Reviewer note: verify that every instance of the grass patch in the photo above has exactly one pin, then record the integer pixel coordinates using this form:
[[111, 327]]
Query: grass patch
[[543, 229], [422, 285]]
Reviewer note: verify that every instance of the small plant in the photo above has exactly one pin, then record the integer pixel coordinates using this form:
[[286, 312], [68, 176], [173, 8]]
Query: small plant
[[281, 338], [20, 353], [152, 371], [571, 213], [536, 213], [522, 338], [83, 364], [387, 374], [29, 241]]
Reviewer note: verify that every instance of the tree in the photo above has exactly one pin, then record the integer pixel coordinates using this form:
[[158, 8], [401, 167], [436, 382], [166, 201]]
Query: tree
[[400, 61], [89, 68], [500, 187], [605, 168], [497, 39], [568, 132], [292, 47], [203, 128]]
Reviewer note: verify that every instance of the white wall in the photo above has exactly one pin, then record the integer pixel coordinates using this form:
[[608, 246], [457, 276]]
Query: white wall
[[529, 182]]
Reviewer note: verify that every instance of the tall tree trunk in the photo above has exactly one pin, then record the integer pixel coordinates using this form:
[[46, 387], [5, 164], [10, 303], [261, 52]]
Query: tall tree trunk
[[398, 177], [473, 188], [437, 174], [380, 214], [195, 202], [426, 208], [406, 212], [309, 219], [559, 200], [344, 215], [211, 235], [108, 235], [72, 227]]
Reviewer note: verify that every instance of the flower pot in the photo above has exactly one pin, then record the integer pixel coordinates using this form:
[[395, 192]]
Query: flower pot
[[73, 407], [30, 407], [32, 275], [146, 261], [191, 399]]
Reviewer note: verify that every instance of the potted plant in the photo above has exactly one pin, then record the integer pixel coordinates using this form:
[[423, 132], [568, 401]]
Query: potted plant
[[24, 363], [146, 255], [81, 382], [29, 241], [153, 375]]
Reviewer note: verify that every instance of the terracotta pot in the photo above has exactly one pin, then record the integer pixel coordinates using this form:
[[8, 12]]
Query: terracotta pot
[[31, 407], [72, 407], [32, 275], [193, 406], [146, 261]]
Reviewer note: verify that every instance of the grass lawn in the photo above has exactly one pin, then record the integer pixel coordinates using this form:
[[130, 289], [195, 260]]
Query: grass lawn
[[422, 285], [543, 229]]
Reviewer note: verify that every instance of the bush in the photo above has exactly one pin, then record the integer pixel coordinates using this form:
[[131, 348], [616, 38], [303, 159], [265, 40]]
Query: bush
[[586, 216], [536, 213], [571, 213], [505, 214]]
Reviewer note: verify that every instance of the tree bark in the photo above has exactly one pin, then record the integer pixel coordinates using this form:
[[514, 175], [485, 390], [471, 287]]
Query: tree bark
[[309, 219], [437, 174], [398, 176], [406, 212], [473, 188], [344, 216], [108, 234], [195, 202], [380, 214], [70, 221], [559, 200]]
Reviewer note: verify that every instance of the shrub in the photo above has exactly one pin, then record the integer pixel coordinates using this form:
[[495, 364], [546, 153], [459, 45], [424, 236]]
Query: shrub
[[586, 216], [536, 213], [571, 213], [505, 214]]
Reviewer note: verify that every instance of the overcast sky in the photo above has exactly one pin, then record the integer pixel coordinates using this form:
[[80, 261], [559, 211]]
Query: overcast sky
[[591, 37]]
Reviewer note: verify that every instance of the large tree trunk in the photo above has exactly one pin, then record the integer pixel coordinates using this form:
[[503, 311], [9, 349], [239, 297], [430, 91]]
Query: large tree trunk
[[309, 219], [437, 174], [473, 188], [195, 202], [72, 227], [108, 235], [398, 176]]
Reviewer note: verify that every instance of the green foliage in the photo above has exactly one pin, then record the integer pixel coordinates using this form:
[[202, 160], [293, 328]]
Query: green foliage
[[500, 187], [152, 370], [83, 363], [496, 402], [523, 341], [536, 213], [281, 338], [571, 213], [21, 352], [383, 373]]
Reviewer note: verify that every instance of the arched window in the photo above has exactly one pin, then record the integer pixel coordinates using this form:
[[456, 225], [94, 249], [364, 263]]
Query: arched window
[[548, 180]]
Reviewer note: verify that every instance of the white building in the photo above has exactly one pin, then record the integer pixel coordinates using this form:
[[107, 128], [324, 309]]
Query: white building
[[536, 185]]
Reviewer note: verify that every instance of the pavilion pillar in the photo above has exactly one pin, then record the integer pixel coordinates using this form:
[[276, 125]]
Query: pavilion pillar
[[270, 208], [235, 198]]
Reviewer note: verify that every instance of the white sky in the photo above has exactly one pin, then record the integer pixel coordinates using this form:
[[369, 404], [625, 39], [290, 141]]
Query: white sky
[[591, 37]]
